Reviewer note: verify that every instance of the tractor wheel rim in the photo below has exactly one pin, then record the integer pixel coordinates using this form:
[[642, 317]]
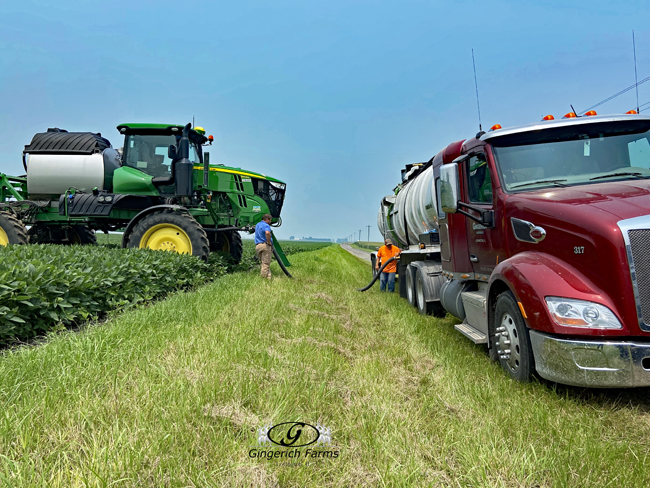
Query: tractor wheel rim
[[509, 341], [166, 237], [4, 239]]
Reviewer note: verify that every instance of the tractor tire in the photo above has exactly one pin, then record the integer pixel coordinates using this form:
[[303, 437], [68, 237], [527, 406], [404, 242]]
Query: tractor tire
[[12, 230], [229, 242], [170, 231], [76, 235]]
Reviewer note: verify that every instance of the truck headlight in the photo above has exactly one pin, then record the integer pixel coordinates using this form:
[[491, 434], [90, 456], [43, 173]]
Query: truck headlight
[[581, 313]]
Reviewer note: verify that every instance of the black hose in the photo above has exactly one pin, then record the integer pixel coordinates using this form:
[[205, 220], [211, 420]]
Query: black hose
[[377, 275], [282, 266]]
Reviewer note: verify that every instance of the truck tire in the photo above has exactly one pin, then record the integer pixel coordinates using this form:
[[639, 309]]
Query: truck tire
[[229, 242], [511, 339], [424, 307], [170, 231], [79, 235], [409, 279], [12, 230]]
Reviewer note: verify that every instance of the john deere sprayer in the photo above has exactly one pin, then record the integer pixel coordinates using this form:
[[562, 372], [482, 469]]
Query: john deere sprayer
[[161, 192]]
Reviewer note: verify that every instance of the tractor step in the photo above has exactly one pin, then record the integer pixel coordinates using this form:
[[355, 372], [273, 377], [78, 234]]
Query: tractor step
[[474, 335]]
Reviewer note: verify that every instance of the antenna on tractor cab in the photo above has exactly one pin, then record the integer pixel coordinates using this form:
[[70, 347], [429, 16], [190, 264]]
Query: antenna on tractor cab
[[480, 129]]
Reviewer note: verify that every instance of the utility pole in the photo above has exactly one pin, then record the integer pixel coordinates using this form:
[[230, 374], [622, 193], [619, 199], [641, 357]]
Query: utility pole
[[359, 235], [368, 234]]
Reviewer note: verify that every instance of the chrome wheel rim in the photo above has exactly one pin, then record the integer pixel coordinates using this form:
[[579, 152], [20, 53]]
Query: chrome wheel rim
[[508, 343], [420, 294]]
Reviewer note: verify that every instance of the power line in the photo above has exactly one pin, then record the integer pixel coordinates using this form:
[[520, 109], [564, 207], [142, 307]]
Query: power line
[[616, 95]]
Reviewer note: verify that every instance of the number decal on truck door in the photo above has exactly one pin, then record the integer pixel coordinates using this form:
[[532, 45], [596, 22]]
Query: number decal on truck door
[[579, 250]]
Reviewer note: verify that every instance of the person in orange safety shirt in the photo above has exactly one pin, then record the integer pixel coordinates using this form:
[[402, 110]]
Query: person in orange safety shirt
[[387, 277]]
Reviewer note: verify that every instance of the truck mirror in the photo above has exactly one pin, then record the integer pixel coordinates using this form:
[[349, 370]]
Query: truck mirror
[[449, 188], [171, 152]]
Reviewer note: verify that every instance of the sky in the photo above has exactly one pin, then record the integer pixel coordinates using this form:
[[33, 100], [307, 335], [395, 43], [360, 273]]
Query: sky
[[334, 98]]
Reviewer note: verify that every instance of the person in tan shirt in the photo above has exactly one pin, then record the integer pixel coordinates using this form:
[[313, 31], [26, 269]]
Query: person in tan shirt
[[387, 278]]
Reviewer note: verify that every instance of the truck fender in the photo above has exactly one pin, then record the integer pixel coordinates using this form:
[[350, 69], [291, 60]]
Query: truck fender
[[432, 272], [144, 213], [532, 276]]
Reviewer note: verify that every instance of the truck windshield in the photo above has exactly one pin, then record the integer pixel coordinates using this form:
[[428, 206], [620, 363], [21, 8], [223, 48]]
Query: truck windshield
[[574, 155], [149, 153]]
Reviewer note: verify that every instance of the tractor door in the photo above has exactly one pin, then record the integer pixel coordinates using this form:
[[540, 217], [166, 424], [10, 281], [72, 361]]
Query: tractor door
[[483, 243]]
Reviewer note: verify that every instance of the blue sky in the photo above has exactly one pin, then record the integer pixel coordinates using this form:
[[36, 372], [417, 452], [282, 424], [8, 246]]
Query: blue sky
[[332, 97]]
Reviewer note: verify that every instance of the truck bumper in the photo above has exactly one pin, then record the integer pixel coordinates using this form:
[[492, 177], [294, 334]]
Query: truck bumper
[[600, 364]]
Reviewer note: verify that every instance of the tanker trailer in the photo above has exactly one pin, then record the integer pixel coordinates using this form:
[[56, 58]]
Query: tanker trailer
[[410, 218]]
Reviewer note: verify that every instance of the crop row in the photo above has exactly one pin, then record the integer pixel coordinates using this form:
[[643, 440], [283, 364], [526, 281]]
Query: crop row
[[44, 285]]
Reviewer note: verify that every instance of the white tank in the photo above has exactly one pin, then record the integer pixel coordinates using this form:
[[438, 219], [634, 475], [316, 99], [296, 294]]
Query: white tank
[[413, 212], [58, 160], [49, 174]]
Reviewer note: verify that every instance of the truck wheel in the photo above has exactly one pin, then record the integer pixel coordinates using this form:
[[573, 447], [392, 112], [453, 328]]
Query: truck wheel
[[76, 235], [12, 230], [410, 286], [426, 308], [511, 339], [229, 242], [170, 231]]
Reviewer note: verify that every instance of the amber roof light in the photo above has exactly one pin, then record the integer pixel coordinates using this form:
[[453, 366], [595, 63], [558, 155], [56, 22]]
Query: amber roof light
[[632, 112], [495, 127], [570, 115], [548, 117], [590, 113]]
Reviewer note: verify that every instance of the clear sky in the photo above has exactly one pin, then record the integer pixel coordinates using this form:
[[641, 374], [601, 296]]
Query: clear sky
[[332, 97]]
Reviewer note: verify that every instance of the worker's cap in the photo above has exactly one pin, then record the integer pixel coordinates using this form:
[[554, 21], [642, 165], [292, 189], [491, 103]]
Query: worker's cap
[[388, 241]]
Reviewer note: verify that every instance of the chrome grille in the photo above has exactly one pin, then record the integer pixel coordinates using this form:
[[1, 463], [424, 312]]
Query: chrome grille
[[640, 249]]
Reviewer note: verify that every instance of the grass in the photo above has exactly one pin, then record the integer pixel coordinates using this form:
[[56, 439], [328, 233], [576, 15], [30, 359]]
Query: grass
[[365, 246], [171, 395]]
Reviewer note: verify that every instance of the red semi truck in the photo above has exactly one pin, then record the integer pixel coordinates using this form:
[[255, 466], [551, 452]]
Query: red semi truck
[[538, 238]]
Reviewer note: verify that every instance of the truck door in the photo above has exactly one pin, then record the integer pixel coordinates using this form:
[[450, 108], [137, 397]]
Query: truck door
[[483, 243]]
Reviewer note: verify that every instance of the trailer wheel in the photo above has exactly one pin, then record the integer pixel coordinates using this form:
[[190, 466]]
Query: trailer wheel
[[511, 339], [229, 242], [434, 308], [170, 231], [411, 295], [12, 230], [79, 235]]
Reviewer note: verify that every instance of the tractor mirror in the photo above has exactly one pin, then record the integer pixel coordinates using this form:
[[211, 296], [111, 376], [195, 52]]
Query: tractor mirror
[[171, 152], [449, 188]]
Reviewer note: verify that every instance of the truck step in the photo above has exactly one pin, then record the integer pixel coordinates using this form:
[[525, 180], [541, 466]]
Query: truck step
[[474, 335]]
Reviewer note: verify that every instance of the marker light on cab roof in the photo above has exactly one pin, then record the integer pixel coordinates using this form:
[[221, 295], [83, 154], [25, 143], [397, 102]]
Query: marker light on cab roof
[[570, 115], [548, 117], [495, 127], [631, 112], [590, 113]]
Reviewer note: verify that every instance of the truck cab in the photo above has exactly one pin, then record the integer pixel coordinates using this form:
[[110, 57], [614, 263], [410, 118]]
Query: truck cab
[[545, 246]]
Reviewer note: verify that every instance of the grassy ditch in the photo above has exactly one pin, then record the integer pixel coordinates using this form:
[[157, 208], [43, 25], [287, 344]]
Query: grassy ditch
[[365, 246], [172, 395]]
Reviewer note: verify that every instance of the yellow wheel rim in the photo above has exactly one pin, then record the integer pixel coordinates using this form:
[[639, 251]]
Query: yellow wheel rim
[[4, 239], [166, 237]]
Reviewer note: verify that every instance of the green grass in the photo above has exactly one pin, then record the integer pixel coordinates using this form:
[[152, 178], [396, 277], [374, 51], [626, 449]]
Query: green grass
[[169, 395], [365, 246]]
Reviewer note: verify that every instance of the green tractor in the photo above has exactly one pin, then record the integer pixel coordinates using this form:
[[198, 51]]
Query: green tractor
[[161, 191]]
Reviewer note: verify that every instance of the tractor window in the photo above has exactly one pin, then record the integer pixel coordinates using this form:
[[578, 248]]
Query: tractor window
[[480, 183], [148, 153]]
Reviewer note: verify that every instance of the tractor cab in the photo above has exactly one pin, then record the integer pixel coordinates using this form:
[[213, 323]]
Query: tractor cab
[[151, 148]]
